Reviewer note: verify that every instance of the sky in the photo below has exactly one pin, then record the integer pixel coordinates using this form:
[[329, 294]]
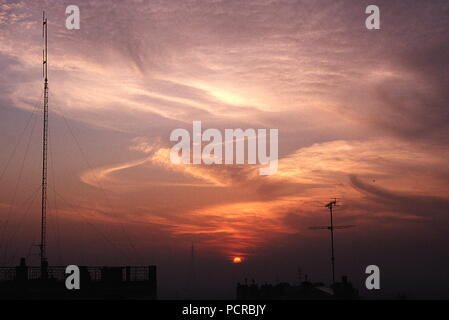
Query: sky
[[362, 116]]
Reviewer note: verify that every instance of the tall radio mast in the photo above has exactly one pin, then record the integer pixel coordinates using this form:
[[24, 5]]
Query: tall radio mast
[[42, 246]]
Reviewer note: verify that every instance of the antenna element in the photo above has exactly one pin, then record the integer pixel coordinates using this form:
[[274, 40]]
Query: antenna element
[[331, 228]]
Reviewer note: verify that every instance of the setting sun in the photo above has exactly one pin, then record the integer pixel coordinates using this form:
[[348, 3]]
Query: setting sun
[[237, 260]]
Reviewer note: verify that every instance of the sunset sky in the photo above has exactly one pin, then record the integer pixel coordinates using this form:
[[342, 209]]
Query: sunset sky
[[363, 115]]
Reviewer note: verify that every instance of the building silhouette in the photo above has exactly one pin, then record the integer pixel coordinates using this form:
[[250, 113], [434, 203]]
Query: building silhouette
[[25, 282], [306, 290]]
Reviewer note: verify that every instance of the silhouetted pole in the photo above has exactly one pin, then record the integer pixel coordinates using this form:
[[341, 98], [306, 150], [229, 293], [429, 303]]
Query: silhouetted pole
[[192, 258], [330, 205], [42, 245]]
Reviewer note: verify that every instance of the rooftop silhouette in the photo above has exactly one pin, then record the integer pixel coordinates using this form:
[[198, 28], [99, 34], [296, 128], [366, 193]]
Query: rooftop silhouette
[[306, 290], [129, 282]]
